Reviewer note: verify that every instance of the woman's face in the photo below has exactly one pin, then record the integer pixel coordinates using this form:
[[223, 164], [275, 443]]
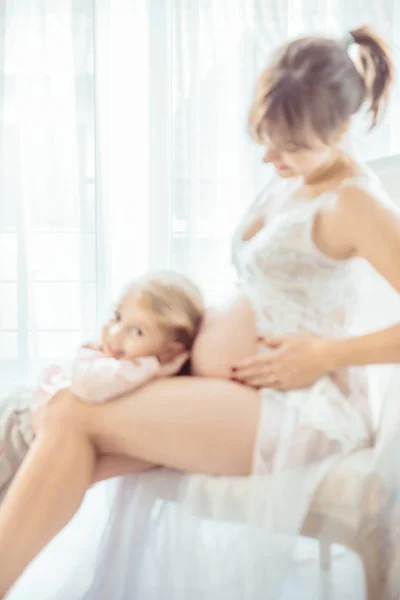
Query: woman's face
[[299, 162]]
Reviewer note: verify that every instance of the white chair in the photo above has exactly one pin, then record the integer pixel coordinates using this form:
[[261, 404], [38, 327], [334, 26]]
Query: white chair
[[361, 476]]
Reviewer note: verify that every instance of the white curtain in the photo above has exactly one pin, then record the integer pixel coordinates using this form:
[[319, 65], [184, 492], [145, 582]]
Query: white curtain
[[48, 210], [124, 147]]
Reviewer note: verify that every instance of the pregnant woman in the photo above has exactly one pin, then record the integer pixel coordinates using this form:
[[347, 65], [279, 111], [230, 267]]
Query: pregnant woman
[[292, 409]]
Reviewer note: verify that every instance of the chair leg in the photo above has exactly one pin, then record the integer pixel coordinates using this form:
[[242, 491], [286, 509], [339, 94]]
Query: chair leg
[[325, 555], [379, 543], [374, 577]]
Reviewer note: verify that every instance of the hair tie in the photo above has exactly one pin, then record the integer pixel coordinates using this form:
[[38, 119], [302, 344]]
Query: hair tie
[[349, 40]]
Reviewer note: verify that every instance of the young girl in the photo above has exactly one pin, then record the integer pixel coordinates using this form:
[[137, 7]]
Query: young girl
[[150, 335]]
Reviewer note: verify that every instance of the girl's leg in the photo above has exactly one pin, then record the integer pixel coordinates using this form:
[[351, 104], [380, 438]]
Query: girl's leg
[[193, 424]]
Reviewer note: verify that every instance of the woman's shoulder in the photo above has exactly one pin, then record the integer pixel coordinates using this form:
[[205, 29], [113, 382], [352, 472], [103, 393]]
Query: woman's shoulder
[[365, 192], [363, 206]]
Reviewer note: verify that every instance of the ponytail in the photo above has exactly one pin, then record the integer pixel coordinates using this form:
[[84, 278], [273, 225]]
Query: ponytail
[[314, 87], [376, 69]]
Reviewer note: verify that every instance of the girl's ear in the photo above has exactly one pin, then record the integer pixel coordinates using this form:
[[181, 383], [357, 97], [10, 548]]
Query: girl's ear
[[174, 349], [178, 348]]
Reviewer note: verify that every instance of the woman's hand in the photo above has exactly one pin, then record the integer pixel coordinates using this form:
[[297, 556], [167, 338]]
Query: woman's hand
[[292, 362]]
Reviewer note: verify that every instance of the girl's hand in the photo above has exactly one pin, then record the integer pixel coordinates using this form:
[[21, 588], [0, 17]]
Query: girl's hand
[[93, 346], [292, 362], [173, 366]]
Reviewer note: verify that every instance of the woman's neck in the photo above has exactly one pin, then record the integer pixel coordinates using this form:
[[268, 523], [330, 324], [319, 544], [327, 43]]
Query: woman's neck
[[330, 175]]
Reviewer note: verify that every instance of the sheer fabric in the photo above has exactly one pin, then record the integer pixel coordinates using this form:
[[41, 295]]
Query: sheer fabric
[[295, 288]]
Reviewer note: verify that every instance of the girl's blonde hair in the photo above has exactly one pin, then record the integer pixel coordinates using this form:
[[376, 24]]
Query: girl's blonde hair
[[175, 302], [313, 87]]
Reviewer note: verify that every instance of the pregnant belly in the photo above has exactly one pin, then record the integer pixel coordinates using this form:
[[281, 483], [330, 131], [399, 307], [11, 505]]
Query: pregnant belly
[[228, 335]]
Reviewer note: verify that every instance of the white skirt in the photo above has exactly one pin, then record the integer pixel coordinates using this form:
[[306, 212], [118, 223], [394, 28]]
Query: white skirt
[[172, 536]]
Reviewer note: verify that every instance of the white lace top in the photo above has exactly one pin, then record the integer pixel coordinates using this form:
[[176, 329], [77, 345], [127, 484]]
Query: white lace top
[[293, 285], [295, 288]]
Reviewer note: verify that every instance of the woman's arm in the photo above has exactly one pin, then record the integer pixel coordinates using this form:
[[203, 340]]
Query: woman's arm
[[374, 232], [381, 347]]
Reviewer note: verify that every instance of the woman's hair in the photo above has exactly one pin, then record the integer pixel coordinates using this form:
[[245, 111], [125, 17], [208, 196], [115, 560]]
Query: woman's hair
[[175, 302], [313, 87]]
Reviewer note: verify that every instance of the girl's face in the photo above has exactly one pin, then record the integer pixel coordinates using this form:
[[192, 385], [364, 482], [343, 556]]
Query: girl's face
[[132, 332], [299, 162]]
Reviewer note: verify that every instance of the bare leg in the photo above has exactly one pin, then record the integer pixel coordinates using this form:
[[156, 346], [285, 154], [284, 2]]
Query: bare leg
[[41, 487], [196, 425], [193, 424]]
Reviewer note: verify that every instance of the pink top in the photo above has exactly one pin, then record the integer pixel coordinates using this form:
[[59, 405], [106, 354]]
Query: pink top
[[95, 377]]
